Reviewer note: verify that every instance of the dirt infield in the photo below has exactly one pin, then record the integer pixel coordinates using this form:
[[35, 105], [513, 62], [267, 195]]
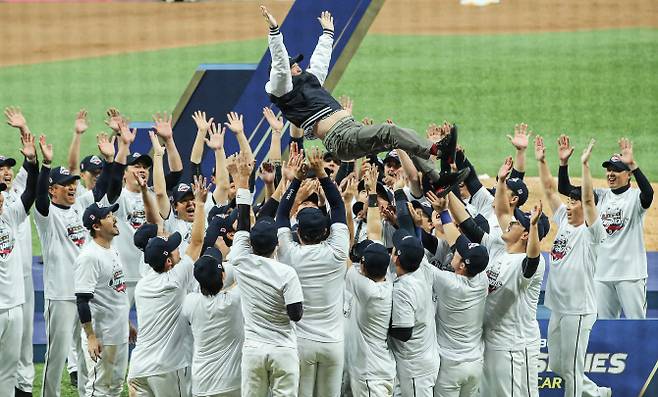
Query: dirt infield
[[39, 32]]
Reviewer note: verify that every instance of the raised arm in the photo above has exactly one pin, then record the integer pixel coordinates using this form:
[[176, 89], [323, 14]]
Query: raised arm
[[243, 167], [42, 202], [165, 131], [215, 142], [646, 191], [16, 119], [202, 127], [81, 126], [159, 183], [531, 262], [411, 172], [31, 166], [236, 126], [374, 226], [296, 164], [587, 190], [319, 64], [196, 239], [520, 143], [337, 212], [276, 124], [348, 192], [564, 150], [502, 208], [547, 182], [280, 77]]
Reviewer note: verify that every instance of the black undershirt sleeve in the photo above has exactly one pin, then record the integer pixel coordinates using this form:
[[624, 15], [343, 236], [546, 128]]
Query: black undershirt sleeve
[[430, 242], [244, 221], [84, 312], [530, 266], [471, 230], [472, 182], [268, 209], [30, 192], [564, 185], [42, 202], [295, 311], [646, 191]]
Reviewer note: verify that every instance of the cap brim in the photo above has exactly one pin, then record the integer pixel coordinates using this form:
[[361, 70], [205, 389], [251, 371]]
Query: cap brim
[[461, 245], [214, 253], [296, 59], [107, 210], [173, 241], [66, 181], [8, 162], [399, 235], [143, 158], [615, 166]]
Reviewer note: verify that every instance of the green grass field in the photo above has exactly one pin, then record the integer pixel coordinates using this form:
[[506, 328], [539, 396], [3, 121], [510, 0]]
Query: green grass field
[[67, 389], [598, 84]]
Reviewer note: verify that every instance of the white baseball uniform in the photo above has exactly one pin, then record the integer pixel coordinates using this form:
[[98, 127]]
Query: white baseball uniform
[[218, 330], [482, 201], [570, 296], [159, 365], [99, 271], [621, 270], [62, 237], [418, 358], [267, 286], [372, 365], [320, 336]]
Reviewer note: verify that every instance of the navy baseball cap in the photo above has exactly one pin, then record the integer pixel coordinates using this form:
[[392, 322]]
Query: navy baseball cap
[[357, 207], [376, 258], [140, 158], [328, 156], [474, 255], [311, 221], [519, 189], [380, 189], [408, 248], [95, 212], [392, 156], [543, 224], [220, 225], [208, 269], [92, 163], [180, 191], [159, 248], [616, 164], [7, 161], [424, 206], [263, 235], [218, 210], [142, 235], [356, 252], [577, 194], [61, 176], [296, 59]]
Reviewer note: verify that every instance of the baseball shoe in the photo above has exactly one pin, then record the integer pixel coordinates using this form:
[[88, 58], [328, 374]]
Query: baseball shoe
[[20, 393], [73, 376], [605, 392], [448, 181], [446, 147]]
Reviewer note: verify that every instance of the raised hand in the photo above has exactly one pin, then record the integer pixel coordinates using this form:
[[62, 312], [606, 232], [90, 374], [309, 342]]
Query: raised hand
[[418, 219], [296, 163], [232, 164], [388, 213], [29, 150], [346, 103], [235, 123], [46, 150], [163, 125], [158, 149], [439, 204], [266, 172], [588, 152], [244, 167], [113, 119], [140, 181], [268, 17], [370, 180], [521, 136], [626, 148], [316, 161], [536, 213], [275, 123], [540, 149], [126, 135], [308, 187], [106, 145], [506, 168], [326, 20], [564, 149], [15, 117], [81, 123], [202, 124], [200, 189], [216, 137], [348, 188]]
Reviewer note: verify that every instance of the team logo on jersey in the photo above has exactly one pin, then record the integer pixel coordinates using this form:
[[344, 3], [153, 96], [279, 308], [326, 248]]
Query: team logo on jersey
[[492, 275], [613, 220], [560, 247], [118, 281], [137, 218], [77, 234], [6, 242]]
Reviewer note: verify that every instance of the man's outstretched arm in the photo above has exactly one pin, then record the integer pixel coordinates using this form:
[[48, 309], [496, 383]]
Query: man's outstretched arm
[[280, 77], [319, 63]]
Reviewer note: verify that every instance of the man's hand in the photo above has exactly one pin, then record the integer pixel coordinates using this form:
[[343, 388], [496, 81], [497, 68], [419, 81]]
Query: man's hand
[[113, 119], [132, 333], [106, 145], [126, 136], [626, 147], [367, 121], [158, 149], [536, 213], [346, 103], [202, 124], [388, 213], [400, 180], [415, 216], [94, 347], [266, 172], [439, 204], [348, 188], [163, 125], [215, 141], [232, 164], [521, 136], [316, 162], [141, 182], [587, 152], [275, 123], [29, 150], [370, 180], [268, 17], [235, 123], [540, 149], [505, 169], [307, 187], [244, 168], [81, 123], [296, 163], [326, 20], [46, 150], [564, 149], [15, 117], [200, 189], [436, 133]]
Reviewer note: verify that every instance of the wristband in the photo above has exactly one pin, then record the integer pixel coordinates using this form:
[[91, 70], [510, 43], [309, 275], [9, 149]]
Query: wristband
[[243, 196], [372, 200], [445, 217]]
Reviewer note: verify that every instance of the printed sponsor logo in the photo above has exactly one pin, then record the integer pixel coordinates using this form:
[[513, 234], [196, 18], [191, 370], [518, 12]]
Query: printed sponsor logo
[[613, 220], [6, 242], [560, 247], [76, 233]]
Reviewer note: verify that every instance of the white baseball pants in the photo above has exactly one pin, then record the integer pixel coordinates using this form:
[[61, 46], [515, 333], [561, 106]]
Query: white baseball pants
[[11, 330], [235, 393], [417, 386], [270, 371], [458, 379], [321, 368], [614, 296], [171, 384], [507, 373], [105, 375], [25, 375], [371, 388]]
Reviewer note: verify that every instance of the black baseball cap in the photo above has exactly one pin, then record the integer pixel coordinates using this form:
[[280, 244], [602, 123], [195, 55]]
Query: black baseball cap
[[577, 194], [61, 176], [424, 206], [142, 235], [356, 252], [519, 189], [616, 163], [380, 189], [357, 207], [474, 255], [159, 248], [328, 156], [180, 191], [296, 59], [311, 221], [408, 248], [263, 235], [543, 224], [7, 161], [95, 213], [140, 158], [376, 258], [218, 210], [392, 156], [208, 269], [92, 163], [220, 225]]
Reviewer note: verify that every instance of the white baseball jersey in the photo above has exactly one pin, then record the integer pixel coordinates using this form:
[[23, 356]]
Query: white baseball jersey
[[369, 355], [130, 216], [267, 286], [164, 342], [173, 224], [218, 330], [12, 287], [622, 255], [510, 320], [321, 271], [24, 235], [570, 287], [483, 202], [413, 307], [62, 236], [98, 271], [460, 312]]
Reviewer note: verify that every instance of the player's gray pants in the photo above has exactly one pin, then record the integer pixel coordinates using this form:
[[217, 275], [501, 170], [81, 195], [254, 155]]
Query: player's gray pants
[[614, 296], [25, 376], [349, 140], [321, 367], [106, 374], [568, 336], [11, 328], [458, 378], [62, 326], [270, 368], [507, 373], [171, 384]]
